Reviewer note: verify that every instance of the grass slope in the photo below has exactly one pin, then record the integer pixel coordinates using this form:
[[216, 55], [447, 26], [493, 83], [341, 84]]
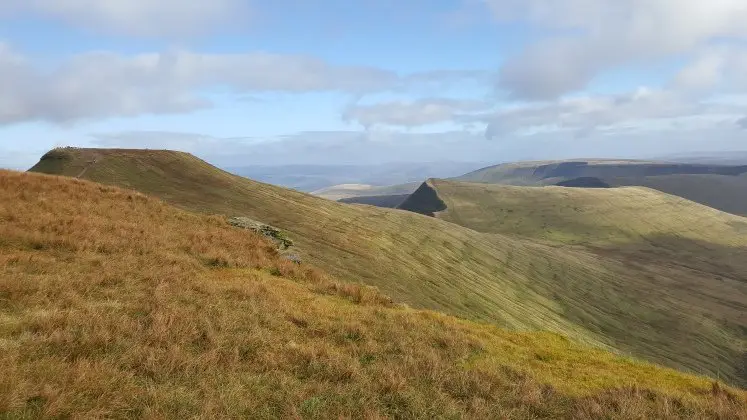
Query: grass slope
[[434, 264], [678, 284], [115, 305], [423, 262], [535, 172], [726, 193], [584, 215], [548, 172], [720, 186]]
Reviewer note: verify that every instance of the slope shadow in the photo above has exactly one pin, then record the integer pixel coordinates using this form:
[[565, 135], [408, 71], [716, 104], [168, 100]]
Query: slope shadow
[[424, 200]]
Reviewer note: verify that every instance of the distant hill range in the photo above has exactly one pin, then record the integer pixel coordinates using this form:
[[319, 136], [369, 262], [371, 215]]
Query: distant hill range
[[553, 172], [723, 187], [318, 178]]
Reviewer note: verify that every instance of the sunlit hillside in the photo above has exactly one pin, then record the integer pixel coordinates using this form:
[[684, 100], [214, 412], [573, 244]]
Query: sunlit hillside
[[663, 310], [116, 305]]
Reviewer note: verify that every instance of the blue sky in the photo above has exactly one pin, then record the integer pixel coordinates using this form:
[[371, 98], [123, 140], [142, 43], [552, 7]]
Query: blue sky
[[333, 81]]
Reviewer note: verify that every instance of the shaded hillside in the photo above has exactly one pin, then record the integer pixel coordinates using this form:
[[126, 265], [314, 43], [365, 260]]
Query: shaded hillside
[[430, 263], [424, 200], [584, 182], [385, 201], [115, 305]]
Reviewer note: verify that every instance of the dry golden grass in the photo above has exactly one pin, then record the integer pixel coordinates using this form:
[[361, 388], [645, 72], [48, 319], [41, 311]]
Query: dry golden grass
[[115, 305]]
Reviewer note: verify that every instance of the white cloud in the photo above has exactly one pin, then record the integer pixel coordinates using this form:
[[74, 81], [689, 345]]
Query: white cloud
[[587, 37], [412, 114], [104, 84], [642, 110], [137, 17], [721, 68]]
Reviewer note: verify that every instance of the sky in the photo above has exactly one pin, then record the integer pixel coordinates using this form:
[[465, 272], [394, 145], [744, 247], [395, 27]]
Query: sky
[[248, 82]]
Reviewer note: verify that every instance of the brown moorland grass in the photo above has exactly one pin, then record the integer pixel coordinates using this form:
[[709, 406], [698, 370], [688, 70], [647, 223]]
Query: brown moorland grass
[[687, 311], [115, 305]]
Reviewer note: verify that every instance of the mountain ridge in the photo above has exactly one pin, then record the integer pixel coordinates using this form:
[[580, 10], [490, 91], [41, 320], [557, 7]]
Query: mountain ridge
[[117, 305], [508, 280]]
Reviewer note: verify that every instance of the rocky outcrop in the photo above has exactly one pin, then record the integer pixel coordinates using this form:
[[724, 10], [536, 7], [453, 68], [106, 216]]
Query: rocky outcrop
[[275, 234]]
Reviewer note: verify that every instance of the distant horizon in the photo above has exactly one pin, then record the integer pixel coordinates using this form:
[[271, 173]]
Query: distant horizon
[[229, 167]]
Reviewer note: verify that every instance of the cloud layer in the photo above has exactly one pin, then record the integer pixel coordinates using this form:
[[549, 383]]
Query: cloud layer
[[149, 18], [104, 84], [412, 114], [643, 109], [587, 37]]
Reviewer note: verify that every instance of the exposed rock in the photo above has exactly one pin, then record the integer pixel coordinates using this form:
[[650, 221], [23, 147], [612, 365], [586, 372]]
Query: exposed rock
[[277, 236], [292, 258]]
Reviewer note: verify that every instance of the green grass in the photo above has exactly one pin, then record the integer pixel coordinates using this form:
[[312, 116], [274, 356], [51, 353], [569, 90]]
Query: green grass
[[112, 306], [523, 173], [657, 309], [675, 281], [726, 193], [589, 216]]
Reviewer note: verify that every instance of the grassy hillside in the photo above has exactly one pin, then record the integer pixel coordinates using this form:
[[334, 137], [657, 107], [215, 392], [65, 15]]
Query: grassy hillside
[[541, 172], [588, 216], [666, 256], [115, 305], [548, 172], [429, 263], [720, 186], [344, 191], [414, 259], [722, 192]]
